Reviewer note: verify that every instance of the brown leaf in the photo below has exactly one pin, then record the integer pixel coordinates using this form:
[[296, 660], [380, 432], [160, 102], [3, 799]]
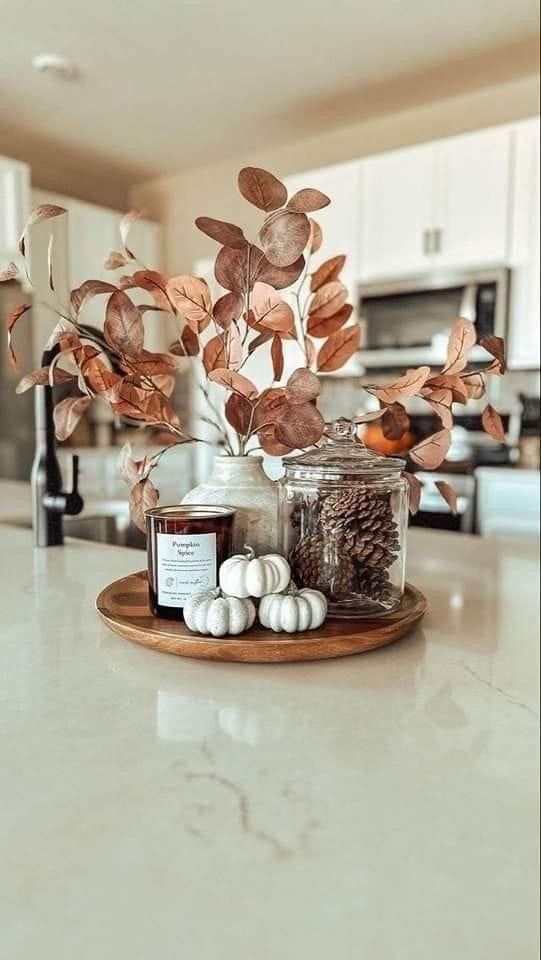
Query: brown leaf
[[191, 296], [452, 383], [115, 260], [300, 426], [338, 349], [461, 339], [328, 271], [328, 300], [129, 400], [227, 309], [320, 327], [64, 330], [448, 494], [11, 320], [492, 423], [308, 200], [316, 236], [41, 378], [474, 385], [277, 357], [270, 311], [46, 211], [152, 282], [395, 422], [270, 444], [9, 272], [271, 404], [443, 411], [279, 277], [303, 386], [223, 351], [132, 470], [231, 269], [430, 453], [67, 414], [143, 496], [235, 382], [496, 347], [190, 342], [150, 364], [262, 188], [284, 236], [415, 491], [239, 411], [260, 340], [123, 328], [406, 386], [310, 352], [98, 376], [87, 291], [225, 233], [159, 410]]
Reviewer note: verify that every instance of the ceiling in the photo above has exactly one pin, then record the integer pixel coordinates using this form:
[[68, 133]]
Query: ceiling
[[177, 83]]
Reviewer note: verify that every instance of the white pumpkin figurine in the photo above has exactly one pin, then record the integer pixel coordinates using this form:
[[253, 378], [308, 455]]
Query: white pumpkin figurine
[[212, 613], [246, 575], [294, 611]]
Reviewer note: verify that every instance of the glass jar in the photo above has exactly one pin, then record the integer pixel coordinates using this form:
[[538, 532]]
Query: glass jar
[[344, 513]]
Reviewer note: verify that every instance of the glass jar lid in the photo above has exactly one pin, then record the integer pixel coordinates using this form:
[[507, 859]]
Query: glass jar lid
[[342, 455]]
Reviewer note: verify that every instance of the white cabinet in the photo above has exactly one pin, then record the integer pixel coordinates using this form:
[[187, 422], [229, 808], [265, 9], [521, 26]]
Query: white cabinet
[[524, 320], [440, 205], [507, 502], [14, 205]]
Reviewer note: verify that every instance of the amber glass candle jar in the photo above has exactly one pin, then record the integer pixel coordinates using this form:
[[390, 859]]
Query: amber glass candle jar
[[186, 545]]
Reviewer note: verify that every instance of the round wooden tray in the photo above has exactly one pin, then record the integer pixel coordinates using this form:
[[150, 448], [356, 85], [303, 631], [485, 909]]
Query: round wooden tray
[[123, 606]]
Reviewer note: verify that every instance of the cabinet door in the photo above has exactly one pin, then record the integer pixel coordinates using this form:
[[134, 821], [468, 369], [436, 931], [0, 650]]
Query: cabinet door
[[524, 320], [472, 198], [397, 203]]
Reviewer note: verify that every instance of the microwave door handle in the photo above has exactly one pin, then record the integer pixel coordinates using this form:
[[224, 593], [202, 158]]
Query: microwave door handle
[[468, 303]]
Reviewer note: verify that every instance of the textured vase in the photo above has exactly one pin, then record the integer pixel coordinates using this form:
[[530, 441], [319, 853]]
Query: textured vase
[[241, 482]]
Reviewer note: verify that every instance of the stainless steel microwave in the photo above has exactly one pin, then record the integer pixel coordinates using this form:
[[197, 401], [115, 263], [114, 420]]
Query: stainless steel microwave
[[406, 322]]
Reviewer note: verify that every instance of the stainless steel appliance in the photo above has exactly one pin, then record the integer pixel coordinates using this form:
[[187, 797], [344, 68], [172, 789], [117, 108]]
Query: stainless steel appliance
[[406, 322]]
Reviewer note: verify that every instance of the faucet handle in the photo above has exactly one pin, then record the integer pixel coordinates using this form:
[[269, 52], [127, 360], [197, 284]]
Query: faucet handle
[[74, 501]]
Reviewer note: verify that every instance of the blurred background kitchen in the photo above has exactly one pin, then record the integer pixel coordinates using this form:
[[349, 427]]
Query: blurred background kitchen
[[420, 121]]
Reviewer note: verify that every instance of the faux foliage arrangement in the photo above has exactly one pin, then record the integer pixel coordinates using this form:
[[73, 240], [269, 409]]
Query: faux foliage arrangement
[[271, 298]]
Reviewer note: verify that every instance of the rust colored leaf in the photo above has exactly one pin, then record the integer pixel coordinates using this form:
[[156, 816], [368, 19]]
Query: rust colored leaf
[[461, 339], [430, 453], [227, 309], [448, 494], [415, 491], [191, 296], [277, 357], [11, 320], [260, 340], [235, 382], [159, 410], [67, 414], [269, 442], [474, 385], [316, 236], [310, 352], [328, 300], [284, 236], [152, 282], [443, 411], [270, 311], [262, 188], [338, 349], [143, 496], [132, 470], [190, 342], [320, 326], [279, 277], [406, 386], [492, 423], [225, 233], [9, 272], [129, 400], [328, 271], [223, 351], [444, 382], [46, 211], [395, 422], [308, 200], [115, 260], [63, 330], [300, 426], [150, 364], [41, 378], [231, 269], [123, 328], [98, 376], [496, 347], [303, 386], [269, 406], [239, 412], [87, 291]]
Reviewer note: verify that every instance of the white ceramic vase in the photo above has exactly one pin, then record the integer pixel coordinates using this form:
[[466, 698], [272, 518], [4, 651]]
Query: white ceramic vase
[[241, 482]]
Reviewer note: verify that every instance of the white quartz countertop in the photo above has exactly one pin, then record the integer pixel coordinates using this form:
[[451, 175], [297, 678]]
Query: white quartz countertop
[[378, 807]]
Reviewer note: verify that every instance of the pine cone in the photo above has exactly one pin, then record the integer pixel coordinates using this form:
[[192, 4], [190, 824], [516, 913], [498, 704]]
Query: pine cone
[[319, 562]]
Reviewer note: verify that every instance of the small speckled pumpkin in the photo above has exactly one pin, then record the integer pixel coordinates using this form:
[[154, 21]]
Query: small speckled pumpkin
[[246, 575], [294, 611], [214, 614]]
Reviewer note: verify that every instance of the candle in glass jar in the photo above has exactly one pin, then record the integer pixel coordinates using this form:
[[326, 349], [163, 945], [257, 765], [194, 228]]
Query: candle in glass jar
[[185, 545]]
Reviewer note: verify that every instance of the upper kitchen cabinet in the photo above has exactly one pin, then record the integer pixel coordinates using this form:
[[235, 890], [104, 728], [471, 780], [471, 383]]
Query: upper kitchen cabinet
[[523, 351], [14, 205], [440, 205]]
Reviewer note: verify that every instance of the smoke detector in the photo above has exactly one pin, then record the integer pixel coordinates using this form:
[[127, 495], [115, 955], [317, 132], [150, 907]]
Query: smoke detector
[[55, 65]]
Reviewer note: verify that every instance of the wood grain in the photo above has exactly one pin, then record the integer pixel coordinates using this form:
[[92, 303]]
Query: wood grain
[[123, 606]]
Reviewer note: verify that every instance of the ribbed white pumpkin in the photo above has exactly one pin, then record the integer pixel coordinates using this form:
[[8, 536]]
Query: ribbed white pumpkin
[[246, 575], [294, 611], [212, 613]]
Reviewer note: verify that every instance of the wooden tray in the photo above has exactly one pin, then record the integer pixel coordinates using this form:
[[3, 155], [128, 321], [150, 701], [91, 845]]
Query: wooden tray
[[123, 606]]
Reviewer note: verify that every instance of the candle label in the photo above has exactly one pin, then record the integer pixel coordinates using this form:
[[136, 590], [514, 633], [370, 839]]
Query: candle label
[[186, 565]]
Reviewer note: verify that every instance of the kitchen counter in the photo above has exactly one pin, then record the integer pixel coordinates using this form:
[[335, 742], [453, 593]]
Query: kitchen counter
[[379, 807]]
